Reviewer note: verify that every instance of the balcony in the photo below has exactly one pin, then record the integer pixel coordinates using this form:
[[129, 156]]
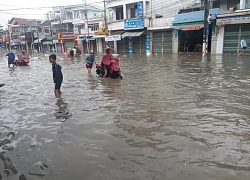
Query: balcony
[[67, 20], [78, 21], [55, 23], [243, 6]]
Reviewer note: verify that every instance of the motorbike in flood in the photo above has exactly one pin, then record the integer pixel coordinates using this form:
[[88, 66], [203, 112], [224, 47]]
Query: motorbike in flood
[[23, 60], [114, 69]]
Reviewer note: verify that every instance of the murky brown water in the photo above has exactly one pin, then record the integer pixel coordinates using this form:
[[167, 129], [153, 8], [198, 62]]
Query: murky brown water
[[171, 117]]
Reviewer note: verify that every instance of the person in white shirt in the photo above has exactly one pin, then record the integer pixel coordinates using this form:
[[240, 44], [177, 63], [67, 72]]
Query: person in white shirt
[[243, 45]]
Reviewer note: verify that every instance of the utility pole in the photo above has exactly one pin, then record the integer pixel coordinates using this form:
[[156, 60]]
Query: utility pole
[[105, 18], [206, 29], [87, 20]]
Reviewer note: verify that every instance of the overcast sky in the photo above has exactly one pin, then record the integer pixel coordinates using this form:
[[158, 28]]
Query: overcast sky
[[33, 9]]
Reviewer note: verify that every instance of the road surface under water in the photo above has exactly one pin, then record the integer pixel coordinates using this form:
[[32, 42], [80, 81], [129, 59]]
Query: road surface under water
[[170, 117]]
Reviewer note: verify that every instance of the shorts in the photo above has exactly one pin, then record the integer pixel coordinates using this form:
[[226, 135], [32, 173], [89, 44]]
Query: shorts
[[89, 66], [11, 62], [58, 85], [106, 68], [244, 47]]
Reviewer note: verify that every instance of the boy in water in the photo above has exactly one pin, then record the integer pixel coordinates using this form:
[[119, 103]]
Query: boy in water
[[11, 58], [57, 75], [90, 61]]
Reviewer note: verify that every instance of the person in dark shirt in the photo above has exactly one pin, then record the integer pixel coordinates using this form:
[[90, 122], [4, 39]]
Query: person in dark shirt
[[78, 51], [57, 75], [90, 61], [11, 58]]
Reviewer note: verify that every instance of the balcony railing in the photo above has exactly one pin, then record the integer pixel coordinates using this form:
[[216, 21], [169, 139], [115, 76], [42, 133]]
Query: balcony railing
[[243, 6]]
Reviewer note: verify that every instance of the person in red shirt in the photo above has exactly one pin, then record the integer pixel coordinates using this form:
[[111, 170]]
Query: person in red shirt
[[106, 61]]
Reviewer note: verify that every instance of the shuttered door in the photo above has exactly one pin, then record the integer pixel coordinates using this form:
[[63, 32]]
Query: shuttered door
[[136, 44], [162, 42], [109, 44], [157, 42], [122, 46], [231, 39], [69, 44], [167, 42], [143, 43]]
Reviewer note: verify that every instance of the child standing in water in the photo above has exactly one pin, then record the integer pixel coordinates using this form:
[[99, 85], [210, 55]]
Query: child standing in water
[[57, 75], [90, 61]]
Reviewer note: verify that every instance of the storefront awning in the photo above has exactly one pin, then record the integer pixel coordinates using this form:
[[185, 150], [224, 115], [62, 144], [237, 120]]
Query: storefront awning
[[196, 16], [132, 34], [36, 41], [50, 41], [84, 39], [116, 33], [99, 36]]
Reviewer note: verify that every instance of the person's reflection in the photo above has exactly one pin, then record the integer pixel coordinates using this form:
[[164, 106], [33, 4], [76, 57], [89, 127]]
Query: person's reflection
[[62, 112], [92, 82], [112, 87]]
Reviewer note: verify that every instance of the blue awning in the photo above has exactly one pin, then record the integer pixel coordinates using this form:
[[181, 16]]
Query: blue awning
[[84, 39], [196, 16]]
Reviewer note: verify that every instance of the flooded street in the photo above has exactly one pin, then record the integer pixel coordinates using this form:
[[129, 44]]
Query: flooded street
[[170, 117]]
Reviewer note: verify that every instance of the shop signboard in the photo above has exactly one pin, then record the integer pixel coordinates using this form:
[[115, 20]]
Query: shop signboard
[[148, 43], [135, 23], [191, 27], [130, 45], [68, 35], [113, 38], [139, 9], [233, 20]]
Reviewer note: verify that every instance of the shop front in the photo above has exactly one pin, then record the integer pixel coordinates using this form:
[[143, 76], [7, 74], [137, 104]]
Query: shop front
[[67, 40], [135, 37], [189, 29], [114, 41], [232, 28]]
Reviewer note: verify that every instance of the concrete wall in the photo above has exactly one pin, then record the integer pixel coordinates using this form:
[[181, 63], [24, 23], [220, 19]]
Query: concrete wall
[[220, 41]]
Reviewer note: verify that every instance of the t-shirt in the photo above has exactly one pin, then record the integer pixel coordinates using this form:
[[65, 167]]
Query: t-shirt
[[57, 73], [11, 56], [90, 60], [243, 43]]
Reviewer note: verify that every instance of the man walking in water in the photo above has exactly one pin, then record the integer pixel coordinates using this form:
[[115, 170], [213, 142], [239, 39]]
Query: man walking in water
[[57, 75], [243, 45]]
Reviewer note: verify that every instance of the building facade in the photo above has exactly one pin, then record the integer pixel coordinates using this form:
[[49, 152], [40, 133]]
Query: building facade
[[143, 26], [76, 25], [232, 27]]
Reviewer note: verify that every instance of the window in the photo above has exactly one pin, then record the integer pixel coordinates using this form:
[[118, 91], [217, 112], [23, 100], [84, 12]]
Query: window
[[132, 13], [119, 13], [94, 14], [94, 27], [47, 31]]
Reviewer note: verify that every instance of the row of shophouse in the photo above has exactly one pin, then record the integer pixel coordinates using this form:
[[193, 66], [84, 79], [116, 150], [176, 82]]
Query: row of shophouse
[[134, 26]]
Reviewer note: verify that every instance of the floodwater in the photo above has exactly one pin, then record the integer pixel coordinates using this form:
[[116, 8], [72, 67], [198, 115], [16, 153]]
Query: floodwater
[[171, 117]]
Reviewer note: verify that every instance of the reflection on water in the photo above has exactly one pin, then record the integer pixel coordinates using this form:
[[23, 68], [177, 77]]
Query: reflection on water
[[62, 112], [170, 117]]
